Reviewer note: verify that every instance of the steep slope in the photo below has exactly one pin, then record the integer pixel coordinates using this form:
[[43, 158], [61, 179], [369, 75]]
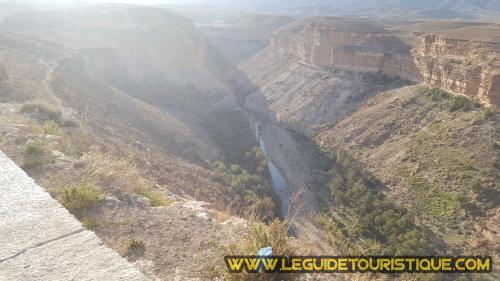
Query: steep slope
[[435, 158]]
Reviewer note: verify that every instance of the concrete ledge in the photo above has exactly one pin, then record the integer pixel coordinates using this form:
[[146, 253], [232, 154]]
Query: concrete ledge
[[42, 241]]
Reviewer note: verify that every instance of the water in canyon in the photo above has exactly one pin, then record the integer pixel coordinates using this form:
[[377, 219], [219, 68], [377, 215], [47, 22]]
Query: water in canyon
[[278, 181]]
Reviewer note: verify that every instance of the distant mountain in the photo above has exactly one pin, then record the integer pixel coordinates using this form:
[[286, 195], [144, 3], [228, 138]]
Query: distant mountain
[[447, 9]]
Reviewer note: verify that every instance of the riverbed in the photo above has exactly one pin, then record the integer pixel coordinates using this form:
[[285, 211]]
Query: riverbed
[[278, 181]]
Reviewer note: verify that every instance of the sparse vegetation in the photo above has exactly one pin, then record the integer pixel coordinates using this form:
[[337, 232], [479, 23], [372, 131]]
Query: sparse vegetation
[[49, 127], [155, 198], [260, 235], [80, 197], [34, 154], [366, 214], [446, 199], [117, 173], [42, 112]]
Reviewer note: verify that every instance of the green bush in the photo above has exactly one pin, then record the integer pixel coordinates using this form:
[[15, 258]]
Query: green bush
[[460, 103], [486, 113], [79, 198], [438, 94], [156, 198], [34, 154], [256, 162], [452, 102], [90, 223], [253, 194]]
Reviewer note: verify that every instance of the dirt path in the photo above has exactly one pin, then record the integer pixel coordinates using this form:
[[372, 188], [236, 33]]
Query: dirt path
[[47, 87]]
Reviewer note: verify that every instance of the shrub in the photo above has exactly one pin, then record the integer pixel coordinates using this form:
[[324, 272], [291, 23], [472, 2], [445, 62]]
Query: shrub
[[70, 123], [259, 236], [460, 103], [438, 94], [486, 113], [79, 198], [448, 100], [90, 223], [252, 192], [132, 246], [34, 154], [42, 112], [50, 127], [156, 198]]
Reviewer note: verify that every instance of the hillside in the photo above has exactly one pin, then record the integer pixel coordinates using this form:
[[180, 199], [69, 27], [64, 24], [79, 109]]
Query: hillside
[[437, 160], [98, 123]]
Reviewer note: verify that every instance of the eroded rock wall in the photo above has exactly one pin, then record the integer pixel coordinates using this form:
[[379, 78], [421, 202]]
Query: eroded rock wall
[[467, 67], [366, 49], [462, 66]]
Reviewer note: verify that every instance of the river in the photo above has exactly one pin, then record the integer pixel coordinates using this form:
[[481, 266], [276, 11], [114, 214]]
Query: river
[[278, 181]]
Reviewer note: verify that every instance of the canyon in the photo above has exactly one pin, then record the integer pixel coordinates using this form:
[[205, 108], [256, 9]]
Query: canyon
[[359, 120]]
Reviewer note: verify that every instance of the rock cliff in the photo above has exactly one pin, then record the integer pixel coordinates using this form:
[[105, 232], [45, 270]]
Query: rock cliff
[[347, 43], [462, 66], [468, 65]]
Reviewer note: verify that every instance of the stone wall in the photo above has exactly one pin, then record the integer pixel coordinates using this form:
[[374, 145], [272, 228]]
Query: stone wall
[[42, 241]]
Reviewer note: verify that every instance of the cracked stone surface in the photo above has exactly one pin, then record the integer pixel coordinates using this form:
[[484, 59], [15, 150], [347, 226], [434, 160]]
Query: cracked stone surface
[[42, 241]]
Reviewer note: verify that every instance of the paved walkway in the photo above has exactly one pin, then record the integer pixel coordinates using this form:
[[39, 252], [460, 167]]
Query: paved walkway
[[40, 240]]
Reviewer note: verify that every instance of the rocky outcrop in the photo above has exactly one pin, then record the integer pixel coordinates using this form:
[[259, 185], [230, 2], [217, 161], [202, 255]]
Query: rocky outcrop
[[462, 66], [350, 44]]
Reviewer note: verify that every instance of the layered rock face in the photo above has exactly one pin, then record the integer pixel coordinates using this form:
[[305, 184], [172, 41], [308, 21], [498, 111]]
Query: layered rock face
[[467, 67], [345, 43], [460, 65]]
